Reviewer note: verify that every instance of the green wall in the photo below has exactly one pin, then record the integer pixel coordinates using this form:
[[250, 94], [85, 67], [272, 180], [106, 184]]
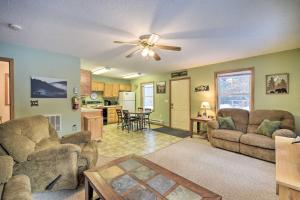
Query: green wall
[[282, 62], [32, 62]]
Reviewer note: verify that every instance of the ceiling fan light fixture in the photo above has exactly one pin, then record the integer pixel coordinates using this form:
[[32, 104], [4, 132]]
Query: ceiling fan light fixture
[[151, 53], [145, 52], [153, 38], [101, 70]]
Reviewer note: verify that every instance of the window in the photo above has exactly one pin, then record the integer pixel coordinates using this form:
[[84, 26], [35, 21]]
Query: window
[[235, 89], [148, 95]]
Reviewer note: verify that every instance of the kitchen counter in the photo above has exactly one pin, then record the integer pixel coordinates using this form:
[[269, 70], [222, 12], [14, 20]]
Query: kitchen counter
[[82, 109]]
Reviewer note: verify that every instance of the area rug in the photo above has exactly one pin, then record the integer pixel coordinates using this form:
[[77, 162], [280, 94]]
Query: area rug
[[173, 132], [233, 176]]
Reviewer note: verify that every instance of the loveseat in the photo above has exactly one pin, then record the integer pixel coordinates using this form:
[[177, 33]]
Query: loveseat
[[13, 187], [51, 163], [244, 138]]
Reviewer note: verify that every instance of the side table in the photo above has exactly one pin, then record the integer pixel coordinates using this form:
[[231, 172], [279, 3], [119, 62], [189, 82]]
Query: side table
[[202, 120]]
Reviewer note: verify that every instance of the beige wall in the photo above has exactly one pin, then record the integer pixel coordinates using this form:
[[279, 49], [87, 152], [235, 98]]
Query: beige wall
[[4, 109]]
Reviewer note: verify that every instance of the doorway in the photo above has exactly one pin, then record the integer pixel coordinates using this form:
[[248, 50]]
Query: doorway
[[6, 89], [180, 103]]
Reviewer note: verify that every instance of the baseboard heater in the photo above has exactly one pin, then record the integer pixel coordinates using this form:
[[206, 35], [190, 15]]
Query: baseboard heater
[[157, 121]]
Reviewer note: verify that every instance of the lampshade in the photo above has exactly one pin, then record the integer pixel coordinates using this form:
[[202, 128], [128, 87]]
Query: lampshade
[[205, 104]]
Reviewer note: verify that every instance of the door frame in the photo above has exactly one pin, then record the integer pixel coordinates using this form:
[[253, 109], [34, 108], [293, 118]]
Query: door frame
[[11, 85], [170, 97]]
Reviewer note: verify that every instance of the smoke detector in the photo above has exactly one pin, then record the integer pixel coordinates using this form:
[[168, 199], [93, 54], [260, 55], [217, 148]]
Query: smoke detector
[[15, 27]]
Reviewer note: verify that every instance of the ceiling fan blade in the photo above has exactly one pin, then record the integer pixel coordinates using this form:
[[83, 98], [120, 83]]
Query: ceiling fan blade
[[156, 56], [145, 37], [130, 42], [133, 53], [172, 48]]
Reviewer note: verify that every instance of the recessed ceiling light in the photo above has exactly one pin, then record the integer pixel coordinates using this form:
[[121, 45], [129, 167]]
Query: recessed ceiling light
[[15, 27], [133, 75], [101, 70]]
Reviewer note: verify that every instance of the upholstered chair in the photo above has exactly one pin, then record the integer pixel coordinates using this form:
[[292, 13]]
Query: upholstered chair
[[51, 162], [12, 187]]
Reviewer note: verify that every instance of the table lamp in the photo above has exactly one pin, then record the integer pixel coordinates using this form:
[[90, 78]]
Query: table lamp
[[205, 105]]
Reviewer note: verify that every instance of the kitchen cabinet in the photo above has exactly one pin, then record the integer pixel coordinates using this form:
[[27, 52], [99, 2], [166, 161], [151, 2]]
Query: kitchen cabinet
[[85, 82], [112, 116], [116, 88], [92, 121], [111, 90], [97, 86], [108, 90], [125, 87]]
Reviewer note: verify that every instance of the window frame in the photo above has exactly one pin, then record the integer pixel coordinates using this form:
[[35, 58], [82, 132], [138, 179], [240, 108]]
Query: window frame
[[142, 94], [251, 69]]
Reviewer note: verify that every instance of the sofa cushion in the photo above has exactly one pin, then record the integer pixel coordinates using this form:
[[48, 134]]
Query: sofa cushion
[[239, 116], [268, 127], [226, 123], [256, 117], [18, 146], [18, 187], [258, 140], [229, 135], [6, 168]]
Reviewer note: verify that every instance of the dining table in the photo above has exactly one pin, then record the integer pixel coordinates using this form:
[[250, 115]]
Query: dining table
[[140, 115]]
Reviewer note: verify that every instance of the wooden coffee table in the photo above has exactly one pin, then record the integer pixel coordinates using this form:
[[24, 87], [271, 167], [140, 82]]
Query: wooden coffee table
[[135, 178]]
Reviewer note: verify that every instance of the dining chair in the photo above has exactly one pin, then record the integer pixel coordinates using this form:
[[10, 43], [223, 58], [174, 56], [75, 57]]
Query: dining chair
[[128, 121], [147, 117], [120, 116]]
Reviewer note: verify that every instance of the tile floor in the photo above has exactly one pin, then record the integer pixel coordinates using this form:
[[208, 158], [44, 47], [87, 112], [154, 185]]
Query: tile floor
[[117, 143]]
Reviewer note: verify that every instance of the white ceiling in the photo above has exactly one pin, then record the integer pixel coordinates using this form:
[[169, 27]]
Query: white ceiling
[[209, 31]]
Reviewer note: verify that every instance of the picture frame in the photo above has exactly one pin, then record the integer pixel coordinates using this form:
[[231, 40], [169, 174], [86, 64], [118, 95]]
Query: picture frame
[[161, 87], [277, 83], [6, 85], [45, 87]]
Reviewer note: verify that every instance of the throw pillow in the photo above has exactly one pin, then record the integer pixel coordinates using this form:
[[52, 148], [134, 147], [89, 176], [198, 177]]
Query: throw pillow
[[267, 127], [226, 123]]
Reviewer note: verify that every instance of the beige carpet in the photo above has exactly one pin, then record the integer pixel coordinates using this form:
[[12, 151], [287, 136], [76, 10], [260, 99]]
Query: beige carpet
[[234, 176]]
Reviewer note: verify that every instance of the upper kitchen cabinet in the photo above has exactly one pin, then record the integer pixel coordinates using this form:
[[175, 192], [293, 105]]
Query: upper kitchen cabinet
[[97, 86], [85, 82], [125, 87], [108, 90], [116, 89], [111, 90]]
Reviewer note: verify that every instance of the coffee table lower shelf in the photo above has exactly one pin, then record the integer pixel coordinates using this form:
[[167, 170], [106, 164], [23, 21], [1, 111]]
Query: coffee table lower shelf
[[135, 178]]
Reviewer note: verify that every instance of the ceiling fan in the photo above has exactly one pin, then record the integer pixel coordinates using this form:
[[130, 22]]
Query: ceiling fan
[[147, 44]]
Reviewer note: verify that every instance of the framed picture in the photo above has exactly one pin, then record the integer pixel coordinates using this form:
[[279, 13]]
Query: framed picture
[[6, 85], [161, 87], [202, 88], [42, 87], [277, 83]]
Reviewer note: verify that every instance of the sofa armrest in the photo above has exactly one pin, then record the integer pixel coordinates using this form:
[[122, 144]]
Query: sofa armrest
[[6, 168], [58, 150], [18, 187], [77, 138], [213, 124], [284, 133]]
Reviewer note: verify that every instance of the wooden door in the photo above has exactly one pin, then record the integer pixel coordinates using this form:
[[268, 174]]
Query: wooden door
[[180, 104], [85, 82]]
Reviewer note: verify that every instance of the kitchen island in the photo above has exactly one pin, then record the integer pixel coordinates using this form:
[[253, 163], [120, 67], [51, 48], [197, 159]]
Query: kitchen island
[[92, 120]]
